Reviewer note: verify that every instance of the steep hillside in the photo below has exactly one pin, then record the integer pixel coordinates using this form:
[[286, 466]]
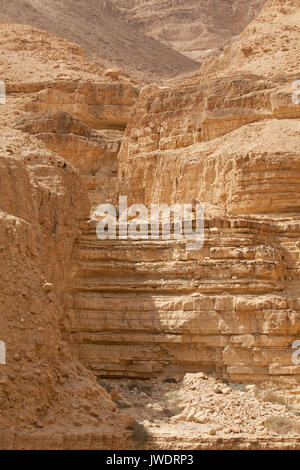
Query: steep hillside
[[47, 398], [103, 37], [197, 29], [196, 345]]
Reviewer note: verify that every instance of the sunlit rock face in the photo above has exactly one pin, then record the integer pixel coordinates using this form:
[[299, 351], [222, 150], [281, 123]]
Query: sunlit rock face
[[227, 137], [73, 306]]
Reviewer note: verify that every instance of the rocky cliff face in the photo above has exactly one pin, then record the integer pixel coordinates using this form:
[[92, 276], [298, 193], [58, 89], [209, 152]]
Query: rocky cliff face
[[103, 37], [47, 398], [227, 137], [196, 29], [43, 389]]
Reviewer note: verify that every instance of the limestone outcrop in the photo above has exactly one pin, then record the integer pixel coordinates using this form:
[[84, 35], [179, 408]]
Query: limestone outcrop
[[141, 308], [73, 307], [229, 138], [198, 411], [72, 106], [245, 97], [104, 38], [43, 389], [48, 399]]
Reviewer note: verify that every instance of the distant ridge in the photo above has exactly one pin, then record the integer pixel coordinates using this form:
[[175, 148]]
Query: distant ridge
[[104, 38]]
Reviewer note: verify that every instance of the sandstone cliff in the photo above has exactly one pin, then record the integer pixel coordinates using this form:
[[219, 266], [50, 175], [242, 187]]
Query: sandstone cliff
[[227, 137], [248, 89], [47, 398], [104, 38]]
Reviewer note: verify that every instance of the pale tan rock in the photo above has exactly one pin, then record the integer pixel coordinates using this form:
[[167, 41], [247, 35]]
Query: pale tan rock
[[227, 136], [99, 34], [200, 418], [195, 29], [45, 392]]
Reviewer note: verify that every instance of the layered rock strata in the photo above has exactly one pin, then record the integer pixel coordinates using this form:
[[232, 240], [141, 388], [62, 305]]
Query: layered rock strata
[[103, 37], [141, 308], [48, 399], [227, 137]]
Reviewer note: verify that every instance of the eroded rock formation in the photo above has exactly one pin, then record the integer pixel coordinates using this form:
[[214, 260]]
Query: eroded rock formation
[[48, 399], [196, 29], [227, 136]]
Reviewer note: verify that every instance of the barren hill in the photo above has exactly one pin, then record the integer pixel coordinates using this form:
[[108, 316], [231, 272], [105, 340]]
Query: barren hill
[[195, 28], [125, 343], [103, 37]]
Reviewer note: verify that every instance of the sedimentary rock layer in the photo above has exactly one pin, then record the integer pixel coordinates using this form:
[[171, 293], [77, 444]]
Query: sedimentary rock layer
[[179, 128], [47, 398], [227, 137], [196, 29], [141, 308]]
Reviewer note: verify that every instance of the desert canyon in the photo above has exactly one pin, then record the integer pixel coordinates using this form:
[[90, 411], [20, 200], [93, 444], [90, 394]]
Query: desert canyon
[[143, 344]]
